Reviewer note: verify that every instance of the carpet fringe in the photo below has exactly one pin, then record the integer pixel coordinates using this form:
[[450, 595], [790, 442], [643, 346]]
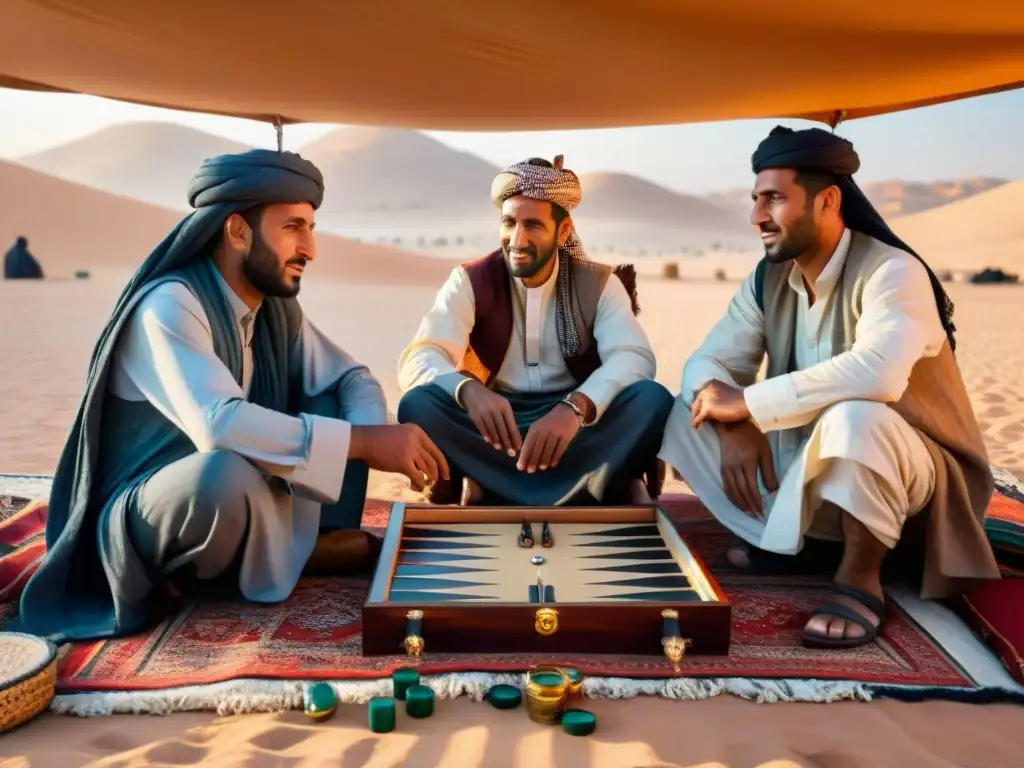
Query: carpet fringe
[[255, 695]]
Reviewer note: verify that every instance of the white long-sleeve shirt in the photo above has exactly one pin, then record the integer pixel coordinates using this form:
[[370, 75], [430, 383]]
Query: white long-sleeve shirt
[[534, 361], [898, 326], [165, 355]]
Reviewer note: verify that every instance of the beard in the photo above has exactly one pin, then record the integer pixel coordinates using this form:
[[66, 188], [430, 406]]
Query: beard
[[539, 258], [797, 238], [263, 269]]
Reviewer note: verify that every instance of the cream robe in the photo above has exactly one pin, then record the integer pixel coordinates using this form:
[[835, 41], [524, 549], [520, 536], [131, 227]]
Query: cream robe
[[833, 438]]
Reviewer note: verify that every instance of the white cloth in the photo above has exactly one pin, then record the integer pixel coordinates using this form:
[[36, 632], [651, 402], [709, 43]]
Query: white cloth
[[534, 362], [832, 436], [165, 355]]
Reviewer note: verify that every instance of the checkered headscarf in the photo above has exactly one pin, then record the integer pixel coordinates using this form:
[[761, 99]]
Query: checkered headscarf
[[561, 187]]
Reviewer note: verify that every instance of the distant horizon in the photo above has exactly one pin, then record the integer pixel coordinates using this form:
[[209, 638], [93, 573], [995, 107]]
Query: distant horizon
[[972, 138]]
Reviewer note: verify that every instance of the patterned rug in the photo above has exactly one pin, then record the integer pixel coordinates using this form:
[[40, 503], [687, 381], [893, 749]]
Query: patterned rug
[[238, 657]]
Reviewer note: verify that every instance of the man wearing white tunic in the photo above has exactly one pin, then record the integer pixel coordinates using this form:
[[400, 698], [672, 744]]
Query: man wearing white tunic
[[222, 442], [531, 371], [862, 425]]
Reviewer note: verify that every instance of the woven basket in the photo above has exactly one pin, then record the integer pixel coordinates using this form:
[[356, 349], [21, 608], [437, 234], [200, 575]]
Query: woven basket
[[28, 673]]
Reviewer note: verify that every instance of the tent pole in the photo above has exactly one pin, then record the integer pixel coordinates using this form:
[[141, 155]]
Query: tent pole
[[836, 119]]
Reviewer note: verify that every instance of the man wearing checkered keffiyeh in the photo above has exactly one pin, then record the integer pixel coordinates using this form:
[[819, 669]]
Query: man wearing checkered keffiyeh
[[542, 181], [570, 406]]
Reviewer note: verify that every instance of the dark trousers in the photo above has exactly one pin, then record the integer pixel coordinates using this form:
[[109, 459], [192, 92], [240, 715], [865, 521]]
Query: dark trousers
[[603, 457], [188, 522]]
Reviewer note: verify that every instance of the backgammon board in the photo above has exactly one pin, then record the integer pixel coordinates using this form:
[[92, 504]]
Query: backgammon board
[[541, 579]]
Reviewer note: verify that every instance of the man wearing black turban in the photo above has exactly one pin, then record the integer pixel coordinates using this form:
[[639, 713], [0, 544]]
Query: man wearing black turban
[[222, 441], [863, 414]]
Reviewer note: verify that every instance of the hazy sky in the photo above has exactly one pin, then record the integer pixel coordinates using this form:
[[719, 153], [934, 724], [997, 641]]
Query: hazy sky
[[983, 136]]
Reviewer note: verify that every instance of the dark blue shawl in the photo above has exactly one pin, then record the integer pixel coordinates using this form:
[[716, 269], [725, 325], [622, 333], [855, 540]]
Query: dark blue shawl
[[222, 186]]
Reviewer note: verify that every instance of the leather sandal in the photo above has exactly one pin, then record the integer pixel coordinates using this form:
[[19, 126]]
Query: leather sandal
[[844, 612]]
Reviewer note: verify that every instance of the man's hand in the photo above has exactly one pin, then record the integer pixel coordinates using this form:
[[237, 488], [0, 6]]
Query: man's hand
[[745, 449], [548, 438], [719, 402], [401, 448], [492, 415]]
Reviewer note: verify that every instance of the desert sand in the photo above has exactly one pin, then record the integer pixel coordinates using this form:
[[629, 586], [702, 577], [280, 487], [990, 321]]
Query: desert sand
[[724, 732], [50, 328], [370, 299]]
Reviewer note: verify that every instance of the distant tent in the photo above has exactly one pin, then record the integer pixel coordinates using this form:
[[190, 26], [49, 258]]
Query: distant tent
[[19, 263]]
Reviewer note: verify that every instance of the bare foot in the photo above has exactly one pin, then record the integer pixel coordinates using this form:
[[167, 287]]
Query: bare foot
[[738, 556], [343, 551], [472, 493], [638, 493]]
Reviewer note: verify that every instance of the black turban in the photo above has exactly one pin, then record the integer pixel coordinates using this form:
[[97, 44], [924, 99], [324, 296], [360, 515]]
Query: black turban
[[815, 149], [224, 185], [257, 177]]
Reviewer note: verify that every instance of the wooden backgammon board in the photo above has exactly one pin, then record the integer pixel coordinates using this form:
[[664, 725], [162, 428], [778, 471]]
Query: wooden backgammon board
[[541, 579]]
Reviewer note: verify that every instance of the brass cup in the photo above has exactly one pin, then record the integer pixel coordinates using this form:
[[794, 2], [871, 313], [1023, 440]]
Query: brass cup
[[544, 701], [575, 686]]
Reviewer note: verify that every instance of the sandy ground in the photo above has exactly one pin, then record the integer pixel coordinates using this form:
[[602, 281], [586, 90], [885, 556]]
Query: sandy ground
[[49, 330], [724, 732], [48, 334]]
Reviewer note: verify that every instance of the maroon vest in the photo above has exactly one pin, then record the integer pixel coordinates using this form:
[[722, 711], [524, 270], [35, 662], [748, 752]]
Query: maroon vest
[[492, 326]]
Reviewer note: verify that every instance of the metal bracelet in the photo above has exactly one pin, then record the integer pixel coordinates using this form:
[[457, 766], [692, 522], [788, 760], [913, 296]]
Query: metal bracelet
[[577, 410]]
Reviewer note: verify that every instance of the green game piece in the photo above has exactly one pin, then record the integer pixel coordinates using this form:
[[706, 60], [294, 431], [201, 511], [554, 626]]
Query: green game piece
[[578, 722], [419, 701], [321, 701], [547, 679], [574, 675], [504, 696], [404, 678], [381, 714]]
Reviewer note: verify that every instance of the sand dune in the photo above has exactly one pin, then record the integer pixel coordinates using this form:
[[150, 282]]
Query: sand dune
[[398, 172], [986, 229], [150, 161], [383, 184], [903, 198], [70, 226], [892, 198], [623, 196]]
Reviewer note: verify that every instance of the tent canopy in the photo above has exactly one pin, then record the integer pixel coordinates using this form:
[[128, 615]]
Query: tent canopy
[[519, 64]]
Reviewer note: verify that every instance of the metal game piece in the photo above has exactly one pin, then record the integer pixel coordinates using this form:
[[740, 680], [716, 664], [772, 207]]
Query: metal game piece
[[537, 559], [545, 536], [526, 535]]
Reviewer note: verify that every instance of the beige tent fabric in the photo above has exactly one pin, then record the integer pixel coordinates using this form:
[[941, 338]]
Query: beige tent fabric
[[528, 64]]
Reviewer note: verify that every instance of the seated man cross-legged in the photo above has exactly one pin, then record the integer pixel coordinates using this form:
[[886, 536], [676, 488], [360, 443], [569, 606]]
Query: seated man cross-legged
[[862, 433], [223, 443], [536, 352]]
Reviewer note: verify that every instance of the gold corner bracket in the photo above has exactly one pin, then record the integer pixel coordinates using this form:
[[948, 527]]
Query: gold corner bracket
[[414, 643]]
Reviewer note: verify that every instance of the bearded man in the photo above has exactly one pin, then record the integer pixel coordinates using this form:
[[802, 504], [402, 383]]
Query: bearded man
[[222, 443], [862, 432], [537, 352]]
